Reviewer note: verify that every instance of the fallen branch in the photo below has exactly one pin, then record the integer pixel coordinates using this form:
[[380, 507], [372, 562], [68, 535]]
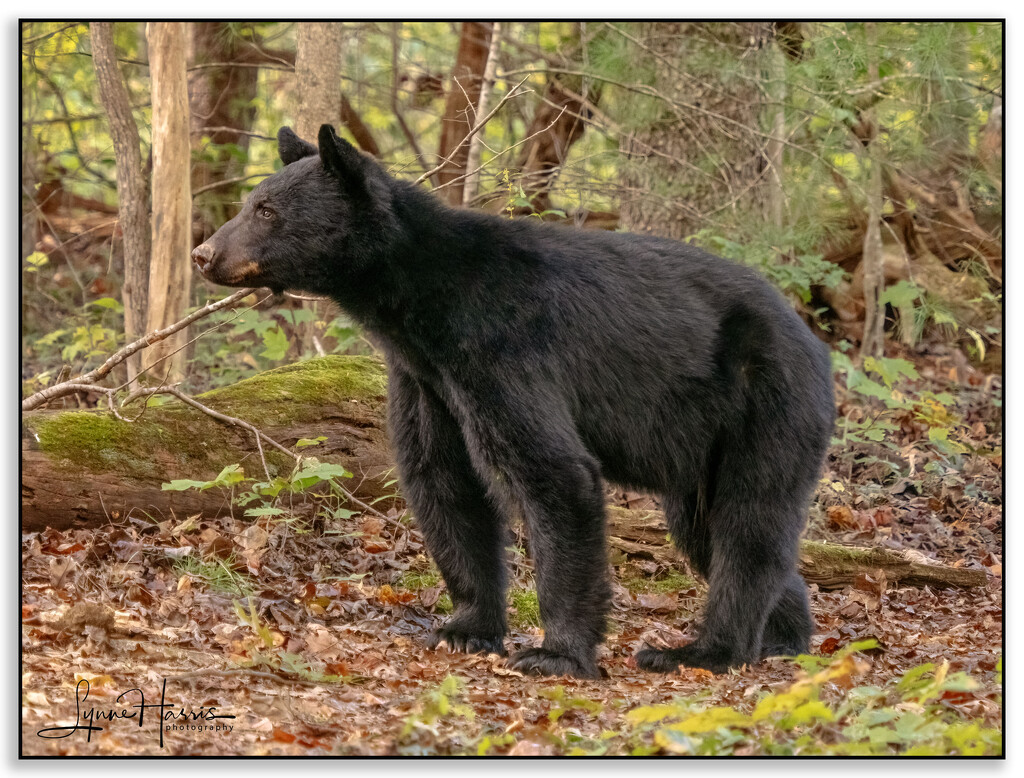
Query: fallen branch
[[829, 565]]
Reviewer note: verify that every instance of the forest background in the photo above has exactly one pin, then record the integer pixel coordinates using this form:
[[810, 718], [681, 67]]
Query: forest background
[[857, 165]]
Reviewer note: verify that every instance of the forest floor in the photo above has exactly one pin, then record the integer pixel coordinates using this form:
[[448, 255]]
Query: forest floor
[[310, 638]]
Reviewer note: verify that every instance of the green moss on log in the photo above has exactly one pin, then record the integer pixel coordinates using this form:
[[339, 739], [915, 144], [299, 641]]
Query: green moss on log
[[303, 390], [174, 434]]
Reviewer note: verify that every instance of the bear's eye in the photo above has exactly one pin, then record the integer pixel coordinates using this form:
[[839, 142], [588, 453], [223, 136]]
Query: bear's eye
[[265, 213]]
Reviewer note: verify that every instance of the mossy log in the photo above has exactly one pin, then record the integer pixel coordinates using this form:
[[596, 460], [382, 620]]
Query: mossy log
[[829, 565], [86, 468]]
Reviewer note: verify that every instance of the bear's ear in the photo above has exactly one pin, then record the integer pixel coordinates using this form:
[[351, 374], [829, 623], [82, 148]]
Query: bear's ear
[[341, 159], [291, 147]]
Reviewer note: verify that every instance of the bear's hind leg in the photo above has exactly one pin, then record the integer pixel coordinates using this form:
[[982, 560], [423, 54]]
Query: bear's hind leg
[[790, 624], [748, 567]]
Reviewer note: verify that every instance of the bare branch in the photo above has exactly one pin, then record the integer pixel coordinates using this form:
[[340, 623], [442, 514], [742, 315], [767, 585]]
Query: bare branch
[[479, 126]]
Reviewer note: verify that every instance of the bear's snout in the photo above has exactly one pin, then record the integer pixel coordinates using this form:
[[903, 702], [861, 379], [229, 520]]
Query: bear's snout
[[203, 257]]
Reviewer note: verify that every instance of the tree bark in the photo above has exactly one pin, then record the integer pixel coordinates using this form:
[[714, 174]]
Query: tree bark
[[476, 143], [170, 271], [317, 101], [132, 193], [459, 111], [317, 77], [775, 194]]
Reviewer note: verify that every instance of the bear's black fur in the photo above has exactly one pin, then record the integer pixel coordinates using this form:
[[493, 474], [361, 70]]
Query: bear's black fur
[[529, 362]]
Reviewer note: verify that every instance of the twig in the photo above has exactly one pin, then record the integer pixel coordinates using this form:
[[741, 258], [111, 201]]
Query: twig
[[479, 126], [71, 386], [498, 154]]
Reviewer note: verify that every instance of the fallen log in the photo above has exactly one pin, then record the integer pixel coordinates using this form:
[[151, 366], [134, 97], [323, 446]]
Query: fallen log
[[87, 468], [643, 533]]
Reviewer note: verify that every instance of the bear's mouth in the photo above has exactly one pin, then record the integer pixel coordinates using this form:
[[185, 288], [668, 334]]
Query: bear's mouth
[[244, 274], [231, 274]]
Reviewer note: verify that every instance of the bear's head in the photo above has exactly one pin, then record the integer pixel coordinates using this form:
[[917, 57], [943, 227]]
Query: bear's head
[[306, 226]]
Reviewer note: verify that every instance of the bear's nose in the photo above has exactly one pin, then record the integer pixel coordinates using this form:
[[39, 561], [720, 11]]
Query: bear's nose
[[203, 256]]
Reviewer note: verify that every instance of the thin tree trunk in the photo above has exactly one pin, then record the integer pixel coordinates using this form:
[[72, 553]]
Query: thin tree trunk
[[873, 261], [132, 194], [317, 77], [171, 270], [476, 143], [459, 114], [776, 193], [565, 105], [318, 101]]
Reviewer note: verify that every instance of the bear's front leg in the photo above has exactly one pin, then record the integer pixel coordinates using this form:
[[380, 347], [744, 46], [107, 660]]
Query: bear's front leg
[[535, 450], [461, 526]]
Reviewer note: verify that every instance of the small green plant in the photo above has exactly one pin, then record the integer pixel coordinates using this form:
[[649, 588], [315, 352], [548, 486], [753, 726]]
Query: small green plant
[[309, 474], [525, 608], [268, 654], [905, 717], [217, 574], [438, 705], [887, 385]]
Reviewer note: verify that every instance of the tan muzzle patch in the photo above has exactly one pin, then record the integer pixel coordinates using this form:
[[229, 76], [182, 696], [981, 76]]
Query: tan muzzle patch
[[246, 270]]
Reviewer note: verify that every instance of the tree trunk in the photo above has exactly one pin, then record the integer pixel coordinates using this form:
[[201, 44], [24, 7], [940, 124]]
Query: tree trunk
[[476, 143], [132, 193], [557, 123], [775, 194], [317, 101], [220, 108], [701, 151], [86, 468], [873, 343], [170, 271], [317, 77], [459, 110]]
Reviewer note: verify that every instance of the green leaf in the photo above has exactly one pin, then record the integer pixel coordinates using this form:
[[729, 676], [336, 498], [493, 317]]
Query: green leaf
[[109, 302], [232, 474], [181, 484], [276, 342], [315, 472], [266, 510], [302, 442], [900, 294]]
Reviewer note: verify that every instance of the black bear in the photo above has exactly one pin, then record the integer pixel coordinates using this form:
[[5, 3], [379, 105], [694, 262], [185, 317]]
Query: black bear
[[528, 363]]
